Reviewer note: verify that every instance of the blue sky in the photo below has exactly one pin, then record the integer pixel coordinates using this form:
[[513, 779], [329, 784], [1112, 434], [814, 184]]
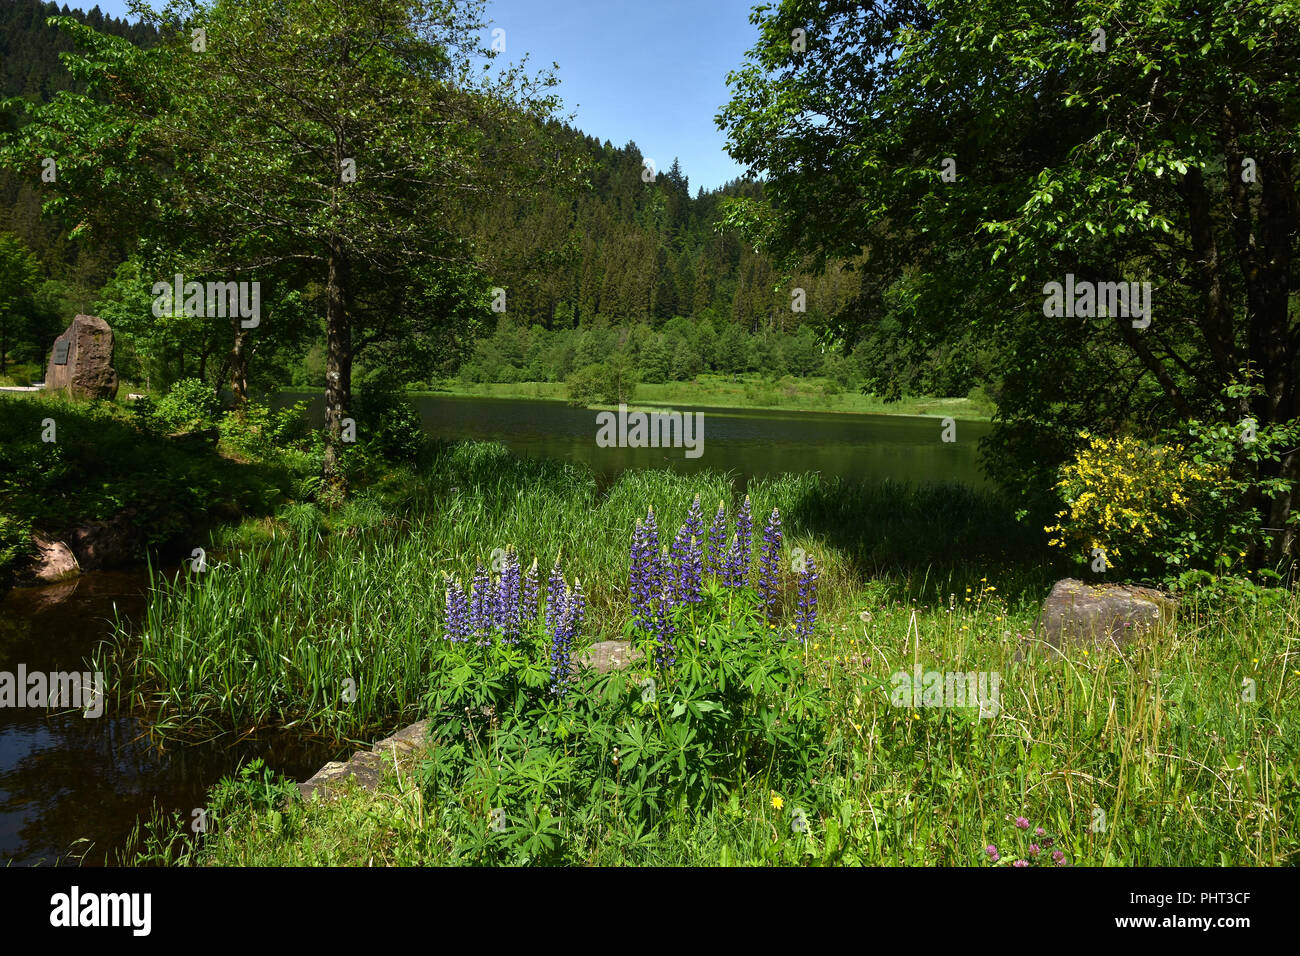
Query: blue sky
[[654, 73]]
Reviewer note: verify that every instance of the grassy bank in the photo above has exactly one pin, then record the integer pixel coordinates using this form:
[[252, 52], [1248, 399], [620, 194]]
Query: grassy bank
[[65, 465], [755, 748], [751, 391]]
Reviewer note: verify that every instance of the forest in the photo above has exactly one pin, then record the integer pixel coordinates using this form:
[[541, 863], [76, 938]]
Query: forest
[[650, 265]]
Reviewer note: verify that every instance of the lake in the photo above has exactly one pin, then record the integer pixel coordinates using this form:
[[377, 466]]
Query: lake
[[749, 442]]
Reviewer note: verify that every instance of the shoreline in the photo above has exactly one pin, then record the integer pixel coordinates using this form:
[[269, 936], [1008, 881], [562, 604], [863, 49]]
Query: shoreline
[[845, 403]]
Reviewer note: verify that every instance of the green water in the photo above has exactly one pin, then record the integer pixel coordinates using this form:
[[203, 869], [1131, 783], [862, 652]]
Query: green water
[[751, 443]]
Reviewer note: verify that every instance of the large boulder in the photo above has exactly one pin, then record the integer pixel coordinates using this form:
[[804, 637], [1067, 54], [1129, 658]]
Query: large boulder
[[1077, 614], [54, 560], [607, 656], [82, 361]]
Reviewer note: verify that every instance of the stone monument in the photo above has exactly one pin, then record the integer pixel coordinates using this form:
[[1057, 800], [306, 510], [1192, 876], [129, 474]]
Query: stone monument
[[82, 361]]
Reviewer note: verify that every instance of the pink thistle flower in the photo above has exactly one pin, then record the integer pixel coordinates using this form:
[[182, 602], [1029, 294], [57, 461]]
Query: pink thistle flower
[[1021, 863], [1022, 823]]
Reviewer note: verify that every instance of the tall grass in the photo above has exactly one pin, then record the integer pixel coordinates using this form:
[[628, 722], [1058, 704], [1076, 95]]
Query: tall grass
[[1152, 757], [279, 624]]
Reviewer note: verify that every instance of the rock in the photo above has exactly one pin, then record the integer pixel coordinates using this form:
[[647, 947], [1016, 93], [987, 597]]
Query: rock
[[109, 544], [367, 766], [82, 361], [607, 656], [54, 561], [1115, 614], [405, 741]]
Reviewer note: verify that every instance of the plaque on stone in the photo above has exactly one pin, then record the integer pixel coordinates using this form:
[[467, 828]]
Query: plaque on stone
[[81, 362]]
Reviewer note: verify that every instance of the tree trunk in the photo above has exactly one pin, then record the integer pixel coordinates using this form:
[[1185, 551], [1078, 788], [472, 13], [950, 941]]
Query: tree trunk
[[1266, 263], [239, 366], [338, 365]]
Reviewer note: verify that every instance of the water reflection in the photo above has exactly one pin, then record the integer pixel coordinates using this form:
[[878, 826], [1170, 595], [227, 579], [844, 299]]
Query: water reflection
[[751, 443], [64, 777]]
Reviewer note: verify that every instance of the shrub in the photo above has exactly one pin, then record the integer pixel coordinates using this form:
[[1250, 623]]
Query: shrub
[[388, 425], [1178, 508], [981, 400], [543, 756], [257, 432], [303, 519], [1129, 498], [608, 383], [189, 405], [15, 540]]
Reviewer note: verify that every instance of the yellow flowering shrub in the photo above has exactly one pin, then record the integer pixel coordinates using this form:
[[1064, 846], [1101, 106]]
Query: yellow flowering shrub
[[1132, 499]]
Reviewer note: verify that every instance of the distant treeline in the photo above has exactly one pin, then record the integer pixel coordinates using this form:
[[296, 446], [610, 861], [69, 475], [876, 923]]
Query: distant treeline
[[683, 348]]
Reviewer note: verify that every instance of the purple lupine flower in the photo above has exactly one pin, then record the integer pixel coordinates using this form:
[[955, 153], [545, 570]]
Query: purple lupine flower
[[559, 620], [738, 560], [716, 556], [732, 575], [767, 564], [645, 581], [806, 616], [695, 521], [458, 628], [666, 651], [528, 599], [657, 564], [555, 596], [690, 575], [684, 571], [507, 595], [480, 605], [639, 585]]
